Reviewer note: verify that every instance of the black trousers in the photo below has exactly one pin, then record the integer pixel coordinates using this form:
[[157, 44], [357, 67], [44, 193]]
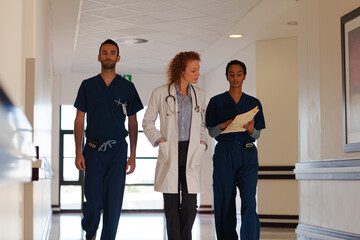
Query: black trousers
[[180, 208]]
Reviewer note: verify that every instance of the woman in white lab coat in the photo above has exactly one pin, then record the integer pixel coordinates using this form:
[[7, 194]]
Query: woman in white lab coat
[[182, 141]]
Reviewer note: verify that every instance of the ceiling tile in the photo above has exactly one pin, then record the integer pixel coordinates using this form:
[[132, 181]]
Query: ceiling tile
[[150, 6], [113, 12], [167, 26], [170, 26], [135, 31], [84, 29], [140, 19], [90, 5], [88, 18], [220, 28], [110, 25], [118, 2], [205, 21], [103, 35], [193, 32], [161, 36], [175, 14]]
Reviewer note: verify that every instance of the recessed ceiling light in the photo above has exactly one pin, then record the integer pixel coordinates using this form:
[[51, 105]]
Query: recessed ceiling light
[[235, 36], [292, 23], [131, 41]]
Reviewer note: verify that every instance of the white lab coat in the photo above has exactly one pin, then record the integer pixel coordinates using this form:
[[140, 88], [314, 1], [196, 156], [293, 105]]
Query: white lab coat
[[166, 173]]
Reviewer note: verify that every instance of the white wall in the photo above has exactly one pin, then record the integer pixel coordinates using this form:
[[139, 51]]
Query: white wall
[[277, 88], [25, 27], [11, 48], [215, 81], [11, 207], [12, 81], [326, 204], [37, 47]]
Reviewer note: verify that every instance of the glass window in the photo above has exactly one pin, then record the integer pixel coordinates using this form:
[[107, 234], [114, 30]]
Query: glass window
[[68, 114], [70, 172], [140, 116], [143, 147], [69, 145], [144, 172]]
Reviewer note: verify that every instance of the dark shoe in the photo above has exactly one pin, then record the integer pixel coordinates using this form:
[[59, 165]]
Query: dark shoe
[[93, 238]]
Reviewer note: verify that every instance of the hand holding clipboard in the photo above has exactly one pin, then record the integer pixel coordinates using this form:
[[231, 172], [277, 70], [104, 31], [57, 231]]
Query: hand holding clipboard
[[240, 120]]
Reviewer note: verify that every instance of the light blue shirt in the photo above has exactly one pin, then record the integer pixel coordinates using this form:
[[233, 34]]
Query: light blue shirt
[[184, 114]]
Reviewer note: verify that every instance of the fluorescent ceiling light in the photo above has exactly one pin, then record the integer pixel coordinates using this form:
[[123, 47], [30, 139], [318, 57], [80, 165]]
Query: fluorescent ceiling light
[[131, 41], [235, 36]]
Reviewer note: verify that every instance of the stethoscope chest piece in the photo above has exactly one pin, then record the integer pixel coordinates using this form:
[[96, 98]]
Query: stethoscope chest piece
[[197, 108]]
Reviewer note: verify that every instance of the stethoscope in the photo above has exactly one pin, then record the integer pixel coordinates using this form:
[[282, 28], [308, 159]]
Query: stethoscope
[[197, 108]]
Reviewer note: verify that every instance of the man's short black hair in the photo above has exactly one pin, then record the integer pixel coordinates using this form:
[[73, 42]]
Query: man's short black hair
[[235, 62], [110, 41]]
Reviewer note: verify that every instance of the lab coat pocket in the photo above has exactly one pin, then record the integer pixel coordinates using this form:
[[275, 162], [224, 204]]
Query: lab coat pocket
[[163, 156], [198, 154]]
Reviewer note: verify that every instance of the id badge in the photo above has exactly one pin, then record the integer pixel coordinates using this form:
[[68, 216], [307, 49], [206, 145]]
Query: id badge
[[124, 108]]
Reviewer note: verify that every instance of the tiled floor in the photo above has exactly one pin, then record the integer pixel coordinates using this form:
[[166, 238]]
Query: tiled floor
[[146, 226]]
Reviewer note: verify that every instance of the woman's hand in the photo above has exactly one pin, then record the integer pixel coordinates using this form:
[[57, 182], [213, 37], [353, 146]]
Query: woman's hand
[[249, 127], [225, 124], [162, 140]]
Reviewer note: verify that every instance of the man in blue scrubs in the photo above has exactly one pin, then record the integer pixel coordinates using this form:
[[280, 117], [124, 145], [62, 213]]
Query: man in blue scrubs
[[235, 161], [107, 99]]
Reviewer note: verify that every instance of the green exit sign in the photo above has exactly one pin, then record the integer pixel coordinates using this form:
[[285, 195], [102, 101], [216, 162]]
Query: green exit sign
[[127, 76]]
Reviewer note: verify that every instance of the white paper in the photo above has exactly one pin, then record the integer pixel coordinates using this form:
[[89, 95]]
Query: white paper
[[240, 120]]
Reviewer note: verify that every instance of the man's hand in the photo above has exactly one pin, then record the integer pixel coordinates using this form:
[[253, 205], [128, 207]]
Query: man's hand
[[80, 162], [130, 165], [249, 127]]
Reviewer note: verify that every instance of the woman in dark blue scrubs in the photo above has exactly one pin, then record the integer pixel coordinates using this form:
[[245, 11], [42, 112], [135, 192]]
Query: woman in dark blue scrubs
[[235, 161]]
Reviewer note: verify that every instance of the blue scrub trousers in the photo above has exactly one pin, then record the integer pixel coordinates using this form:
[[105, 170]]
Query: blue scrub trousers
[[104, 188], [235, 167]]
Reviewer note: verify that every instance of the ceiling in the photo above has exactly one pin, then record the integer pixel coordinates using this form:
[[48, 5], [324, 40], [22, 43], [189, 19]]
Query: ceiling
[[169, 26]]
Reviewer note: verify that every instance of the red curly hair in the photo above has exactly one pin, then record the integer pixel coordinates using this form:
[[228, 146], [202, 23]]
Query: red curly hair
[[178, 65]]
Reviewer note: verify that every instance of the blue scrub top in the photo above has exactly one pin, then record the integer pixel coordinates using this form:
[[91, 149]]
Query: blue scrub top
[[222, 107], [104, 107]]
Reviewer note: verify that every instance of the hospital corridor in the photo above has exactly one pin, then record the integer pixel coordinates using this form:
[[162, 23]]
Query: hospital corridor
[[77, 75]]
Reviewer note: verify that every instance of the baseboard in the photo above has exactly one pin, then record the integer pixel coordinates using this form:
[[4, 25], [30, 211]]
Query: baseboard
[[56, 209], [306, 232], [205, 209], [276, 173], [278, 221]]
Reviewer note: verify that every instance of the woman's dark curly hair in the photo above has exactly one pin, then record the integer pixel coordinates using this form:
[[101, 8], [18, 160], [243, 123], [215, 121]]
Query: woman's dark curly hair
[[178, 65]]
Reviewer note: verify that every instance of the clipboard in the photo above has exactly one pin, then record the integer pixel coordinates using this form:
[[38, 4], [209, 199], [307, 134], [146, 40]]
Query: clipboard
[[240, 120]]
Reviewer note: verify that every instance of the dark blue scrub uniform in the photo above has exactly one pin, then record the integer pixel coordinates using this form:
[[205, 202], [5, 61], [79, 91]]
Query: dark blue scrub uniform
[[234, 166], [106, 108]]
